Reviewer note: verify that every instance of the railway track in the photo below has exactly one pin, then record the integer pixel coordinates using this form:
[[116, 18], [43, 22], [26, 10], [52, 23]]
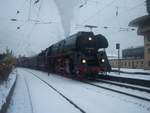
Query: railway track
[[61, 94], [103, 87], [119, 91], [137, 73], [135, 87], [133, 81]]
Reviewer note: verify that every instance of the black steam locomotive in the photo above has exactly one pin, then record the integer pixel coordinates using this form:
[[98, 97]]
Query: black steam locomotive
[[80, 54]]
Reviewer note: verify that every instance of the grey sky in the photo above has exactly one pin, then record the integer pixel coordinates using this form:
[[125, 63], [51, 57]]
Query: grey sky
[[31, 38]]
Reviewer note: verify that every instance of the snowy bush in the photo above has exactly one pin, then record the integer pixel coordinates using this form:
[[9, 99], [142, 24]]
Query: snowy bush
[[6, 65]]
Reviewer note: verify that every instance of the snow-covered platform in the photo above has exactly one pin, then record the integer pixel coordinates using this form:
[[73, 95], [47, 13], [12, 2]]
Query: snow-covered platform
[[33, 95]]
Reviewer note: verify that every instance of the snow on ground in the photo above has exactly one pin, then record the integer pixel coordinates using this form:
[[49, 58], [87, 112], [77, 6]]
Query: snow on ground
[[20, 101], [133, 70], [6, 86], [90, 98], [137, 76], [39, 99], [45, 99]]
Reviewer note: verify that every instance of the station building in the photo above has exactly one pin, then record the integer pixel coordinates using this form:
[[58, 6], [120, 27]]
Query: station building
[[131, 58], [143, 24], [137, 57]]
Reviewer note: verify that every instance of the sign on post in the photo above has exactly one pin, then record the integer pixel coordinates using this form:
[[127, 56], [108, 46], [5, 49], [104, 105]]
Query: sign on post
[[118, 47]]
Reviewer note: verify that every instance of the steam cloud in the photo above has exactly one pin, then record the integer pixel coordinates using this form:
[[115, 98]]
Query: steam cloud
[[65, 8]]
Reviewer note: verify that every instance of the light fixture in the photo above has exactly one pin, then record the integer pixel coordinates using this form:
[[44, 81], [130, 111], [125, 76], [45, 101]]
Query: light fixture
[[90, 38], [83, 61], [103, 60]]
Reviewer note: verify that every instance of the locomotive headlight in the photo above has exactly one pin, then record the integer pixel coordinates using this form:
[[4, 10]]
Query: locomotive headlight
[[90, 38], [103, 60], [83, 61]]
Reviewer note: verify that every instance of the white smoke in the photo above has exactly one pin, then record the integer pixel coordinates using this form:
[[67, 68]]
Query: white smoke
[[66, 11]]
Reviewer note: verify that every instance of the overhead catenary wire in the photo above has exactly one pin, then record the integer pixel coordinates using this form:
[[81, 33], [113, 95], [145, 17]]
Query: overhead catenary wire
[[107, 27], [110, 3], [129, 9], [28, 38], [21, 7], [136, 6], [117, 14], [26, 21], [29, 19], [83, 4], [38, 21]]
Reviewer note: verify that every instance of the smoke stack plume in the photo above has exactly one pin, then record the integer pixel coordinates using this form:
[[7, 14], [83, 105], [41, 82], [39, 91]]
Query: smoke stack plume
[[66, 10]]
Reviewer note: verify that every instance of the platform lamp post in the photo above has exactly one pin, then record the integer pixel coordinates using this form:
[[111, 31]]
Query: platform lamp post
[[118, 48]]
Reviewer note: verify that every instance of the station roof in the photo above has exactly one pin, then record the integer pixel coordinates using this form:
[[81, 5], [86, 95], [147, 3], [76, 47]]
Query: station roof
[[140, 21]]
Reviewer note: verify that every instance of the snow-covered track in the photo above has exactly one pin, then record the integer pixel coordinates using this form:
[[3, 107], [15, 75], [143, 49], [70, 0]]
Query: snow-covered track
[[139, 73], [118, 91], [99, 86], [66, 98], [134, 81], [135, 87]]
